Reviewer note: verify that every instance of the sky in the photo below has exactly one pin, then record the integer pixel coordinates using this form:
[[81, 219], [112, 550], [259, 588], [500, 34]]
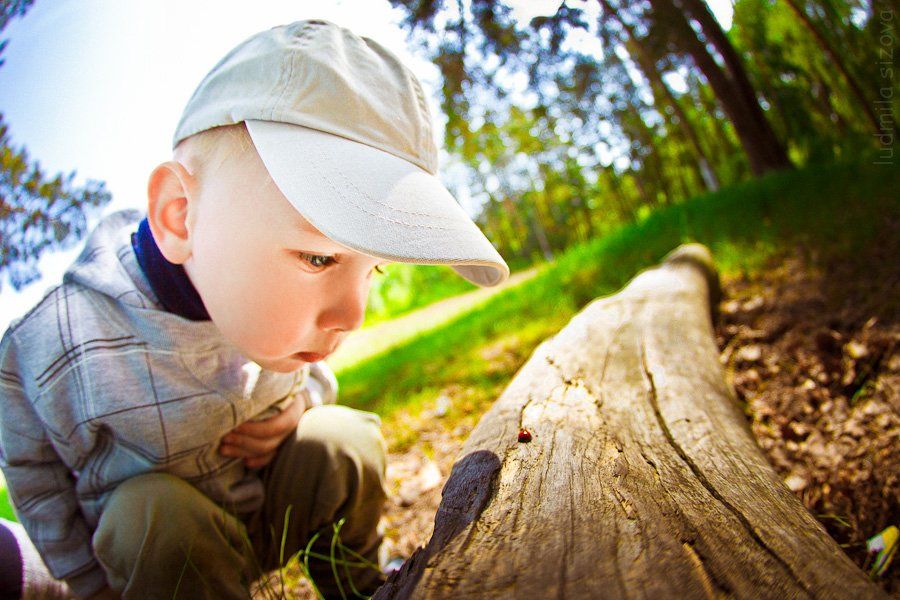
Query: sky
[[97, 86]]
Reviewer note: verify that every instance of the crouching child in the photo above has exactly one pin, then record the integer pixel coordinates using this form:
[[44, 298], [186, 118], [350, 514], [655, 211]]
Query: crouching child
[[168, 425]]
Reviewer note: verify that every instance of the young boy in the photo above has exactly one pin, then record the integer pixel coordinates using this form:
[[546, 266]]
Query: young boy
[[166, 418]]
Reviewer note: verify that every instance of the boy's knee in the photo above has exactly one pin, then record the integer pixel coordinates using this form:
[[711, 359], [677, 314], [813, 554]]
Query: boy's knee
[[344, 433], [155, 502], [157, 519], [332, 468], [344, 454]]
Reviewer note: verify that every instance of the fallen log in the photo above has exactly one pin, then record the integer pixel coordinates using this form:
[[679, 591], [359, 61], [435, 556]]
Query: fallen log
[[641, 480]]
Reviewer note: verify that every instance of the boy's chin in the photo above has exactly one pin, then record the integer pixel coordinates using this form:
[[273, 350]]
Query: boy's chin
[[281, 365]]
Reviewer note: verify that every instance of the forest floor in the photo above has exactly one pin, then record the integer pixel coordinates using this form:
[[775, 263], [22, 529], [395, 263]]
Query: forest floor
[[811, 350], [812, 354]]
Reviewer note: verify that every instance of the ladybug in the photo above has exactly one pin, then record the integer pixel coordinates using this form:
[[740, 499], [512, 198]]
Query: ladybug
[[524, 436]]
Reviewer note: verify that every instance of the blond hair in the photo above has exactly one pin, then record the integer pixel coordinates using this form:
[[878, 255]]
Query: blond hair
[[204, 153]]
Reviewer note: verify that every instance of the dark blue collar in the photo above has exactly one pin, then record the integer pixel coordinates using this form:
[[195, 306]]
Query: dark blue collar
[[169, 281]]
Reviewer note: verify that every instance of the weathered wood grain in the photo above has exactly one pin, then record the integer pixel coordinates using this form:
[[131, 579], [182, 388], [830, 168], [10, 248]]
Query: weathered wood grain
[[642, 479]]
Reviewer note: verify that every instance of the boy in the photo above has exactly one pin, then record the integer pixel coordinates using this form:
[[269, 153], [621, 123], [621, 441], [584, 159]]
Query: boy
[[150, 404]]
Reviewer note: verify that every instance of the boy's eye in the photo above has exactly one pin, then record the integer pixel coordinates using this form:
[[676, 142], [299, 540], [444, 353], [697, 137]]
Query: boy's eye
[[316, 261]]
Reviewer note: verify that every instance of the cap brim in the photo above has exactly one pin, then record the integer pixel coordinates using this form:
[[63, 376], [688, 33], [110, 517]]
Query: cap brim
[[374, 202]]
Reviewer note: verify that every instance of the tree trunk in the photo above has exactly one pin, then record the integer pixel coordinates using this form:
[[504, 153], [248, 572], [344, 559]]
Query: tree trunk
[[863, 103], [652, 172], [627, 209], [719, 138], [540, 234], [764, 151], [642, 478], [663, 95]]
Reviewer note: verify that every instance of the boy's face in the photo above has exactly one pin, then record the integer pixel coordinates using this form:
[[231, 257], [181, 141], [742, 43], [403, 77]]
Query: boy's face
[[276, 288]]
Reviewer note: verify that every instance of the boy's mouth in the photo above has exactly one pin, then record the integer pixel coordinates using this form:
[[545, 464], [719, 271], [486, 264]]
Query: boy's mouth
[[310, 356]]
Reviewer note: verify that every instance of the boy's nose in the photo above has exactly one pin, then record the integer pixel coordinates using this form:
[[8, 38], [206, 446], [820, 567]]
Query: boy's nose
[[347, 310]]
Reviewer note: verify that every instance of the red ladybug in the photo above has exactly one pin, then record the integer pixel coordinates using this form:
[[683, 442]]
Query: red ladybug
[[524, 436]]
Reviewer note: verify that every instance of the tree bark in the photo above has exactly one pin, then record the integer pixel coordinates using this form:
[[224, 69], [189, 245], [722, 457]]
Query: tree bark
[[642, 478], [722, 144], [663, 95], [738, 98]]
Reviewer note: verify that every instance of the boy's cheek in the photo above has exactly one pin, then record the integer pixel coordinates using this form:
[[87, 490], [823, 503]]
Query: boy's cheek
[[268, 335]]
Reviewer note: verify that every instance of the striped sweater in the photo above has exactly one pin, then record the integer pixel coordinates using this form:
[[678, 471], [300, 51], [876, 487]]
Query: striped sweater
[[99, 384]]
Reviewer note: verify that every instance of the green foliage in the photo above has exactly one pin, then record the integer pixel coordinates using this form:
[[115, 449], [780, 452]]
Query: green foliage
[[37, 212], [9, 10], [814, 106], [824, 209], [578, 122]]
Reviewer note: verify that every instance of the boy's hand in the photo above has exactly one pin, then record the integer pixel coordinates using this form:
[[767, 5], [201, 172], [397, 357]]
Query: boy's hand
[[257, 441]]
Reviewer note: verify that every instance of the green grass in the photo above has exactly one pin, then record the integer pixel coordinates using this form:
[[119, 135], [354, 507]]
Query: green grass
[[821, 210], [6, 510]]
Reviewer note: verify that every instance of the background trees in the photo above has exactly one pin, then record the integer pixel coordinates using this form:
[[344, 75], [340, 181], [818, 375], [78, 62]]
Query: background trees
[[38, 212], [572, 123], [607, 109]]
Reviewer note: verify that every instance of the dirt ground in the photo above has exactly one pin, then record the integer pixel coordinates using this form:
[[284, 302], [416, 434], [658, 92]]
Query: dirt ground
[[812, 353]]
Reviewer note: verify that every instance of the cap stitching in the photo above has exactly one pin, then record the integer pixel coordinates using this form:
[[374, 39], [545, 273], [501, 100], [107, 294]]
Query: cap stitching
[[394, 208], [362, 208], [324, 159]]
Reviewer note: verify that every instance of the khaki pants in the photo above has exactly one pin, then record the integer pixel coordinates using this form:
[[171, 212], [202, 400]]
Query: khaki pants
[[159, 537]]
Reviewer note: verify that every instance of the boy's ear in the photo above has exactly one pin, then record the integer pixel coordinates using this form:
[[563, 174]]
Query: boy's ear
[[167, 210]]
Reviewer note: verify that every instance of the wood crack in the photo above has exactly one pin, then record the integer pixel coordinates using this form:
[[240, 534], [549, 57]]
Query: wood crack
[[702, 573], [701, 477], [616, 566], [548, 464]]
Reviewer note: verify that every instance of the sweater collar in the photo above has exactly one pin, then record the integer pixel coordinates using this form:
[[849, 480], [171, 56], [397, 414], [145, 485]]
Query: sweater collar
[[169, 281]]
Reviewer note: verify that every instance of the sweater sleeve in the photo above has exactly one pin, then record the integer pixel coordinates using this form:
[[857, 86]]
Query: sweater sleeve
[[41, 487]]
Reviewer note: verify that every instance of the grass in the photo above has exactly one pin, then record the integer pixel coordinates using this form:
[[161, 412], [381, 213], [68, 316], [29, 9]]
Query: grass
[[339, 557], [822, 211], [6, 510], [374, 340]]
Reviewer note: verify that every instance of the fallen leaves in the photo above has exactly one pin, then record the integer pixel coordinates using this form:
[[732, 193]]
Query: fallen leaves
[[819, 379], [413, 485]]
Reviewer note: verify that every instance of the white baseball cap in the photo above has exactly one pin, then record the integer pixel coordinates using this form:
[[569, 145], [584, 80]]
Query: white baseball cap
[[345, 132]]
